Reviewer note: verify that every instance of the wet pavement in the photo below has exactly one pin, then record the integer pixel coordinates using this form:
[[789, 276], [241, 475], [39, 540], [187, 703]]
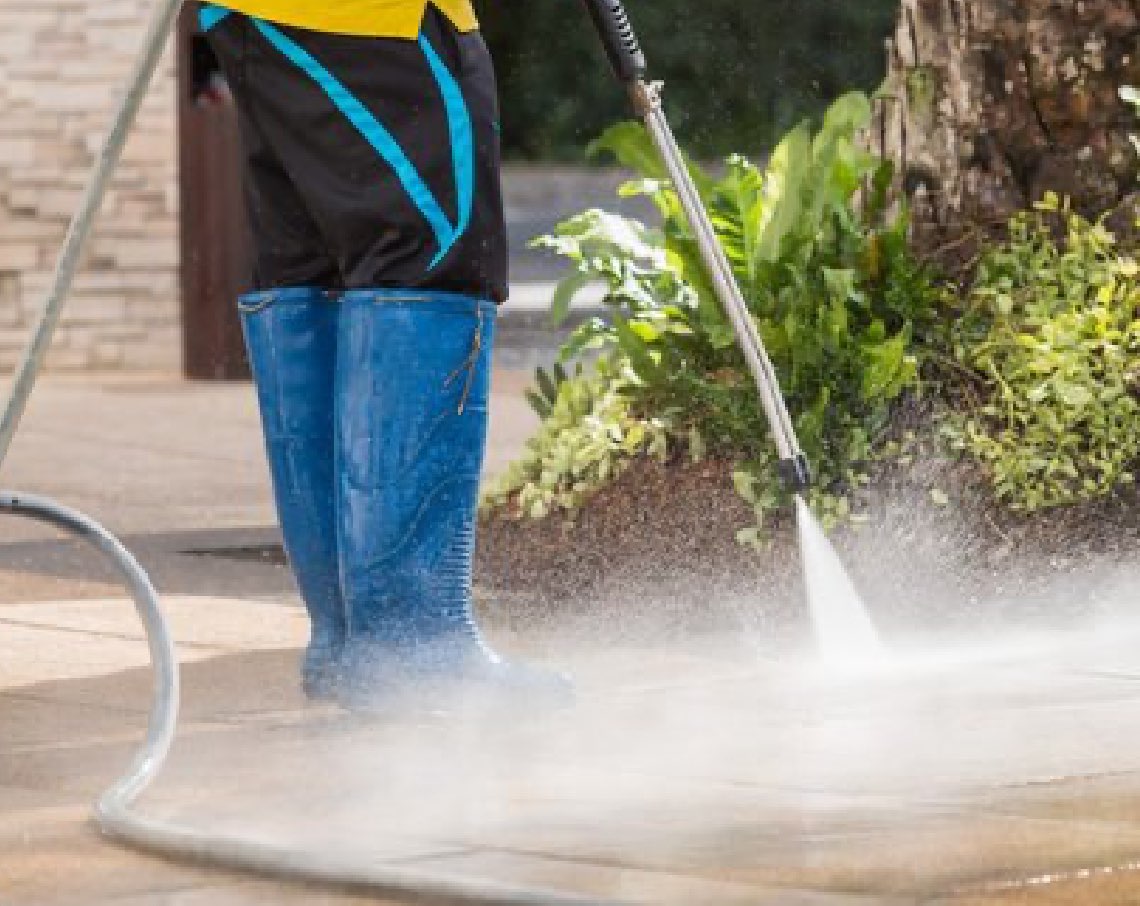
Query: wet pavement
[[713, 774]]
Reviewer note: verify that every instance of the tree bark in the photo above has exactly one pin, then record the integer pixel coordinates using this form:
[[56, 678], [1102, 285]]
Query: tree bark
[[991, 103]]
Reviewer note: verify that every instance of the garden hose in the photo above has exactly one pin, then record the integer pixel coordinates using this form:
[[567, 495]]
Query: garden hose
[[628, 61], [113, 811]]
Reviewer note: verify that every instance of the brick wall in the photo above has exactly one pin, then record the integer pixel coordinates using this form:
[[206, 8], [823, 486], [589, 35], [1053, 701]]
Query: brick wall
[[62, 64]]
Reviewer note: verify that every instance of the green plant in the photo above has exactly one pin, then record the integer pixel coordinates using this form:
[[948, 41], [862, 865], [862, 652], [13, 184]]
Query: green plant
[[1051, 329], [588, 436], [826, 272], [547, 384]]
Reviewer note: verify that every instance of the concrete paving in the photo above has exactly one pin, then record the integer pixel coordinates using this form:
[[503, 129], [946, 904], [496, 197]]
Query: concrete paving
[[707, 776], [151, 454]]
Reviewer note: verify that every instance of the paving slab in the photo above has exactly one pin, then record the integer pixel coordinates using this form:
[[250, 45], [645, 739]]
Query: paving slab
[[62, 639], [671, 786], [155, 453], [711, 775]]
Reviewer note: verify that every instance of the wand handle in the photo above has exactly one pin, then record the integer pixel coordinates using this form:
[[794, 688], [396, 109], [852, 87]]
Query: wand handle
[[619, 39]]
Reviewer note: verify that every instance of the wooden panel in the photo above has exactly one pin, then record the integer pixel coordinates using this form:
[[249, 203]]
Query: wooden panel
[[215, 243]]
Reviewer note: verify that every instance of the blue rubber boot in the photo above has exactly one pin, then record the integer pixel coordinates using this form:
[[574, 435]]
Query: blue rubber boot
[[413, 381], [290, 335]]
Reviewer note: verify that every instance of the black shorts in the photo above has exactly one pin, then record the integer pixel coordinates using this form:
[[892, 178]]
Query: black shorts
[[370, 162]]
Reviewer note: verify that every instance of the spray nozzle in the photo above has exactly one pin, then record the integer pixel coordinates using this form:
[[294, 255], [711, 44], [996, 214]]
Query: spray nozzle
[[795, 473]]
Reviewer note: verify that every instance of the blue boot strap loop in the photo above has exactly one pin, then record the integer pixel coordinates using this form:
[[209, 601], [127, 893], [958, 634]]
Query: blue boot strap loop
[[252, 303], [437, 299], [470, 364], [440, 300]]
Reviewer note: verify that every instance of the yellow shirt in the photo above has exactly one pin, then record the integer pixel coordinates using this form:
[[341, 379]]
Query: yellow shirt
[[374, 18]]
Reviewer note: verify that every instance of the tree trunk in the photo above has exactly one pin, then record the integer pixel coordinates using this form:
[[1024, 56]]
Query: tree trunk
[[991, 103]]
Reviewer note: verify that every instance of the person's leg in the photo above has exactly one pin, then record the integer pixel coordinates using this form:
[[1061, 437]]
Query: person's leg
[[393, 147], [412, 391], [290, 335], [413, 388], [290, 327]]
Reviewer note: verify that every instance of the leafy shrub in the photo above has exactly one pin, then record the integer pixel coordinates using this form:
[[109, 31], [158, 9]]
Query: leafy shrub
[[588, 436], [1051, 329], [836, 295]]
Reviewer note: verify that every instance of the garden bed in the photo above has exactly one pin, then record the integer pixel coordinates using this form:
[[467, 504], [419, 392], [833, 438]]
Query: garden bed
[[1006, 497], [654, 554]]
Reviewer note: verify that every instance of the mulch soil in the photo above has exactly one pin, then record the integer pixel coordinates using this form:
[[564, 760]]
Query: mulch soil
[[655, 552]]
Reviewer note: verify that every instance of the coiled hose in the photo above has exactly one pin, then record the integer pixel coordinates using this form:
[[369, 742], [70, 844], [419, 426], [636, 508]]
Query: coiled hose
[[113, 809]]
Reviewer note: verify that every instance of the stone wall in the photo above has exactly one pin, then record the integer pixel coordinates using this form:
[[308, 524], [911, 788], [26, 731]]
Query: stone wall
[[62, 63]]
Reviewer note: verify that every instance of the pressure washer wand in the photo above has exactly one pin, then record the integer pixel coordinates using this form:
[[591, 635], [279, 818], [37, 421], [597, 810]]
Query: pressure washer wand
[[629, 64]]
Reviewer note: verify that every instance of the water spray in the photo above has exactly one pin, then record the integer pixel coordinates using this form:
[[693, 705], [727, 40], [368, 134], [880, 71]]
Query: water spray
[[115, 810], [844, 629]]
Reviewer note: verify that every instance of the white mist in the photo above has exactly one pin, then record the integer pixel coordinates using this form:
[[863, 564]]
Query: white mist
[[843, 628]]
